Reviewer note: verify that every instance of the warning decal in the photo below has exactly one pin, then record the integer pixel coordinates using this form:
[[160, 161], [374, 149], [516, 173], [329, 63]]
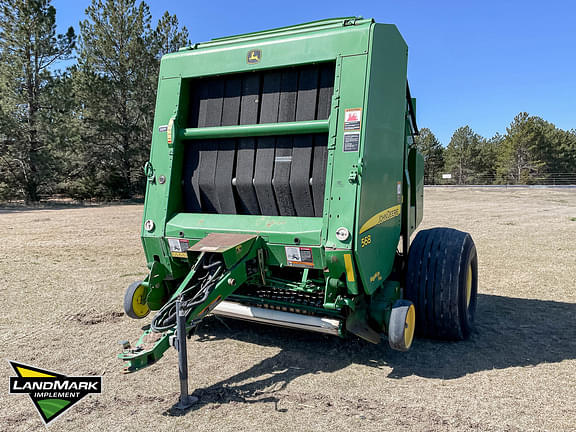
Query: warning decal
[[351, 141], [169, 130], [178, 247], [352, 119], [298, 256]]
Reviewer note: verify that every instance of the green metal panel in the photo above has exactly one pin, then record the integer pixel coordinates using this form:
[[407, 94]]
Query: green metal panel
[[275, 229], [342, 195], [380, 191], [162, 164], [278, 50]]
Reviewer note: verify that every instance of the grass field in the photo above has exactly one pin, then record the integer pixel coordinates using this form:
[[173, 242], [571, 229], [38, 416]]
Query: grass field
[[63, 273]]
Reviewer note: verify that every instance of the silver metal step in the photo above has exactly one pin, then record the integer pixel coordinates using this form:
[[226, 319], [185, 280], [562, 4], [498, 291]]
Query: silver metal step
[[278, 318]]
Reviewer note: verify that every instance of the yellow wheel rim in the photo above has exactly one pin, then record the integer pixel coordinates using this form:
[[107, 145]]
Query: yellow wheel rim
[[469, 285], [409, 326], [139, 305]]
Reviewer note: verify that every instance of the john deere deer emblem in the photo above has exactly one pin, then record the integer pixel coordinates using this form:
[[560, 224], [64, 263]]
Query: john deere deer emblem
[[254, 56]]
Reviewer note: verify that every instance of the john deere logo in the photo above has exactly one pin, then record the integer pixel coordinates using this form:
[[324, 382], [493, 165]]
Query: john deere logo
[[52, 393], [254, 56]]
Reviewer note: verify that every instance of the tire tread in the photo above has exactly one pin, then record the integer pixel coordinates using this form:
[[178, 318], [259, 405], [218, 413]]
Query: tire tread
[[436, 261]]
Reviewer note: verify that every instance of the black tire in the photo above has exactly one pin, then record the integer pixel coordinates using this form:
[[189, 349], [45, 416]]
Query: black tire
[[141, 310], [440, 262]]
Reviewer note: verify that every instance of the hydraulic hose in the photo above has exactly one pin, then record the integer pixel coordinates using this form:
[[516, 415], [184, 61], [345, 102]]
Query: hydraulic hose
[[200, 287]]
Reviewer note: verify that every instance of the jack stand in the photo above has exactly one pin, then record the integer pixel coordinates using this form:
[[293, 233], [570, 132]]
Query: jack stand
[[186, 401]]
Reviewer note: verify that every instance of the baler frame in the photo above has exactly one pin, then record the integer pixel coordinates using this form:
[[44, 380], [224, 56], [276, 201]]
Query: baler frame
[[340, 248]]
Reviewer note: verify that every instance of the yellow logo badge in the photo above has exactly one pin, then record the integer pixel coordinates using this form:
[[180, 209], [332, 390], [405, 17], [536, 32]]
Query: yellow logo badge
[[254, 56]]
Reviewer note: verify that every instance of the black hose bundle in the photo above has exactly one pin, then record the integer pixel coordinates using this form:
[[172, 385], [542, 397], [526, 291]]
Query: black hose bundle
[[208, 273]]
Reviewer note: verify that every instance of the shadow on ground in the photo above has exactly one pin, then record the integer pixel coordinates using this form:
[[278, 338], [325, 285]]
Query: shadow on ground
[[510, 332]]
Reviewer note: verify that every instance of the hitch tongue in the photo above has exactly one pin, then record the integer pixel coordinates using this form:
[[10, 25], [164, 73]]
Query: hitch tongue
[[215, 275]]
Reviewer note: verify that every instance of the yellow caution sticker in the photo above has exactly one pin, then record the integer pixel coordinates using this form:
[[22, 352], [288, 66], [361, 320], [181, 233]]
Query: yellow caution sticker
[[179, 254], [383, 216], [169, 130]]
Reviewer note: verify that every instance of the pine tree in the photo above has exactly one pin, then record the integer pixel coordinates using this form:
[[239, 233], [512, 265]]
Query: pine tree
[[484, 164], [564, 168], [29, 50], [116, 83], [113, 82], [524, 149], [462, 153], [433, 153], [168, 37]]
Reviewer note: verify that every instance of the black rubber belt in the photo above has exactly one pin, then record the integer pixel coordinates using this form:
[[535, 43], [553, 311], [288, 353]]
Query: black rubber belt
[[227, 148], [247, 146], [191, 153], [302, 150], [264, 168], [283, 158], [319, 165], [209, 114]]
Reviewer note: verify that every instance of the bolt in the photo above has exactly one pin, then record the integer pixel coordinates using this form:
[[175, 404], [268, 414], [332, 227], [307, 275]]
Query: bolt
[[231, 281]]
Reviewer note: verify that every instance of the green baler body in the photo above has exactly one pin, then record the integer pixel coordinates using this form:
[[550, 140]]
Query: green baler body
[[372, 177]]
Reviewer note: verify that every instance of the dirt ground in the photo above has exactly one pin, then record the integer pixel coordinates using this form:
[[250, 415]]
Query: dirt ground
[[63, 273]]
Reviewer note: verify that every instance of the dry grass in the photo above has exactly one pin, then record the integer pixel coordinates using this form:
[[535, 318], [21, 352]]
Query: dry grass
[[63, 273]]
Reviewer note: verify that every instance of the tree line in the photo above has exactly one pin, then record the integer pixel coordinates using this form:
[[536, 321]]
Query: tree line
[[82, 130], [533, 151], [76, 110]]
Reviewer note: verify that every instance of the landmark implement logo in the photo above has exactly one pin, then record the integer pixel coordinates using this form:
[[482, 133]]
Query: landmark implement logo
[[52, 393]]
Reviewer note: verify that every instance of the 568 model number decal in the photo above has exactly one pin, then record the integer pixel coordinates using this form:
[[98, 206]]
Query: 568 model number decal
[[366, 240]]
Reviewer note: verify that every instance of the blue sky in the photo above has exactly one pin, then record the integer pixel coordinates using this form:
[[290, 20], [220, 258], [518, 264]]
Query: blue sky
[[470, 63]]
